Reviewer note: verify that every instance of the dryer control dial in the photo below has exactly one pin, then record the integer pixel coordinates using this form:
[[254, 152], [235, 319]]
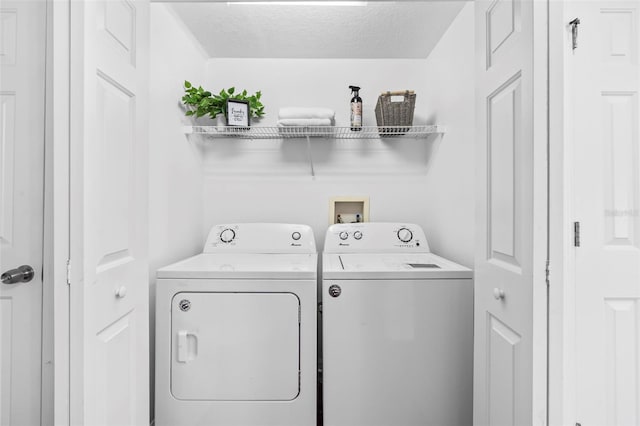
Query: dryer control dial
[[296, 236], [405, 235], [344, 235], [357, 235], [227, 235]]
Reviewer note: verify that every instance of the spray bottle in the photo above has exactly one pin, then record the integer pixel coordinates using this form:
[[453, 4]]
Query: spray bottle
[[356, 109]]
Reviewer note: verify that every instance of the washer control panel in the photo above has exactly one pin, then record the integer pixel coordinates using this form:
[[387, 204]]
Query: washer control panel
[[375, 237], [260, 238]]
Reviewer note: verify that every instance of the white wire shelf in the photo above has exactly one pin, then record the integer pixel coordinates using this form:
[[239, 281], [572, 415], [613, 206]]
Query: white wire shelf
[[327, 132]]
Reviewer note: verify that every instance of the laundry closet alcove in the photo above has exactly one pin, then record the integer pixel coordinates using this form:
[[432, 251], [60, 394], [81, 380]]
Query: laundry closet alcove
[[308, 56]]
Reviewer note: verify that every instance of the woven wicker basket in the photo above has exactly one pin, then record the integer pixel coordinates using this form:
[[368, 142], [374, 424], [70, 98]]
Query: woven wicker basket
[[395, 113]]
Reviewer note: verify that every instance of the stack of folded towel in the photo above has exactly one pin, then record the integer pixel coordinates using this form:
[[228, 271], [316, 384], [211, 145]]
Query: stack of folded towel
[[305, 117]]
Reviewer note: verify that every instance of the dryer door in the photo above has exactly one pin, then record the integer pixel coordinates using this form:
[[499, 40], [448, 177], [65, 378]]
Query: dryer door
[[235, 346]]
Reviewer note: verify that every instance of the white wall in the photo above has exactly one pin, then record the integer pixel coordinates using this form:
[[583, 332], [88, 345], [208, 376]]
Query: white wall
[[450, 220], [175, 164], [428, 182]]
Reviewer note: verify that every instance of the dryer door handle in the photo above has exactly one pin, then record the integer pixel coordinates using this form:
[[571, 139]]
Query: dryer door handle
[[187, 346]]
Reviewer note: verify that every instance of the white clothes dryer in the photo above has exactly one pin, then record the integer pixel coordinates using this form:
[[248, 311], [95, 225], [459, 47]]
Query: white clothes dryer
[[397, 330], [236, 330]]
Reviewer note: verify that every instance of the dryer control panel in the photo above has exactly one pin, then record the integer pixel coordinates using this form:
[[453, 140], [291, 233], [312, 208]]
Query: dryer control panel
[[375, 237], [260, 238]]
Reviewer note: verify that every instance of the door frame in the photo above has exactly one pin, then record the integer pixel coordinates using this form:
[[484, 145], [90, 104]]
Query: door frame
[[541, 214], [55, 338], [561, 331], [56, 292]]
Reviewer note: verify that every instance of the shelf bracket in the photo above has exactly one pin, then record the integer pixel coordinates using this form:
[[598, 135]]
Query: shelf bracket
[[313, 173]]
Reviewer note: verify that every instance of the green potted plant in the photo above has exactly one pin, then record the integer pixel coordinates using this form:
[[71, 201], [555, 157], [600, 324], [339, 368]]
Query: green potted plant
[[200, 102]]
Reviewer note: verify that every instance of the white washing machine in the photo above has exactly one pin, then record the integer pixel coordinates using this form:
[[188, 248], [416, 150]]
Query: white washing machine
[[397, 330], [236, 330]]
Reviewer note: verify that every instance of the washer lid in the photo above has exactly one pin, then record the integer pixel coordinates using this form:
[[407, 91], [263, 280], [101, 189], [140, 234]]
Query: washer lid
[[391, 266], [243, 265]]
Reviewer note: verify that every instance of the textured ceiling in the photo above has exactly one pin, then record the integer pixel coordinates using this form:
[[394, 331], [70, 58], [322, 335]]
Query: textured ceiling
[[406, 29]]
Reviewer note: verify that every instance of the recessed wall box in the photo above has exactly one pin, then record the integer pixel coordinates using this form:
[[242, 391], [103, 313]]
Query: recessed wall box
[[348, 210]]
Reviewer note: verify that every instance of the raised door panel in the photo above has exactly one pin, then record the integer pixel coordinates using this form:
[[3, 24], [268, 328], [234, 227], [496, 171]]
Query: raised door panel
[[117, 29], [621, 176], [504, 142], [620, 35], [115, 384], [8, 39], [503, 23], [7, 142], [502, 356], [6, 326], [622, 360], [112, 195]]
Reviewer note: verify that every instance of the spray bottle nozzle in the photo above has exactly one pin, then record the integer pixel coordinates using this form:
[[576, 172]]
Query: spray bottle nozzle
[[355, 89]]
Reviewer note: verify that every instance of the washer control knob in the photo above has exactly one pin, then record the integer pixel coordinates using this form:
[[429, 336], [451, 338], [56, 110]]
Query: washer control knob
[[227, 235], [405, 235], [357, 235], [296, 236], [344, 235]]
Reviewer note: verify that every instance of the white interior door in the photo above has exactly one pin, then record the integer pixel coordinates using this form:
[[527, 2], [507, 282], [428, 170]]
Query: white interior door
[[22, 107], [606, 83], [109, 271], [508, 209]]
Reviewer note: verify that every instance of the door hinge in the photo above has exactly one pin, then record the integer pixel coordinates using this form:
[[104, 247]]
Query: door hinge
[[576, 234], [546, 272], [68, 271], [574, 33]]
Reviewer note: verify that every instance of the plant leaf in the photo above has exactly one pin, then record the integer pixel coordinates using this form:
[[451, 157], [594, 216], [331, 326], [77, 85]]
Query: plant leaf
[[187, 84]]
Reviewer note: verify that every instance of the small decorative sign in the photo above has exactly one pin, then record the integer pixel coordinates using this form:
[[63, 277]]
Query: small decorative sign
[[237, 113]]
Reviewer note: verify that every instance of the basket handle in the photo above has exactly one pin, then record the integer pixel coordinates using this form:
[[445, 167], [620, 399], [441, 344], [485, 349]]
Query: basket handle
[[398, 93]]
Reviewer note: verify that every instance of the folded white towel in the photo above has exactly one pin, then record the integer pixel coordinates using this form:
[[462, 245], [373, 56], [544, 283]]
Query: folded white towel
[[303, 112], [297, 122]]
